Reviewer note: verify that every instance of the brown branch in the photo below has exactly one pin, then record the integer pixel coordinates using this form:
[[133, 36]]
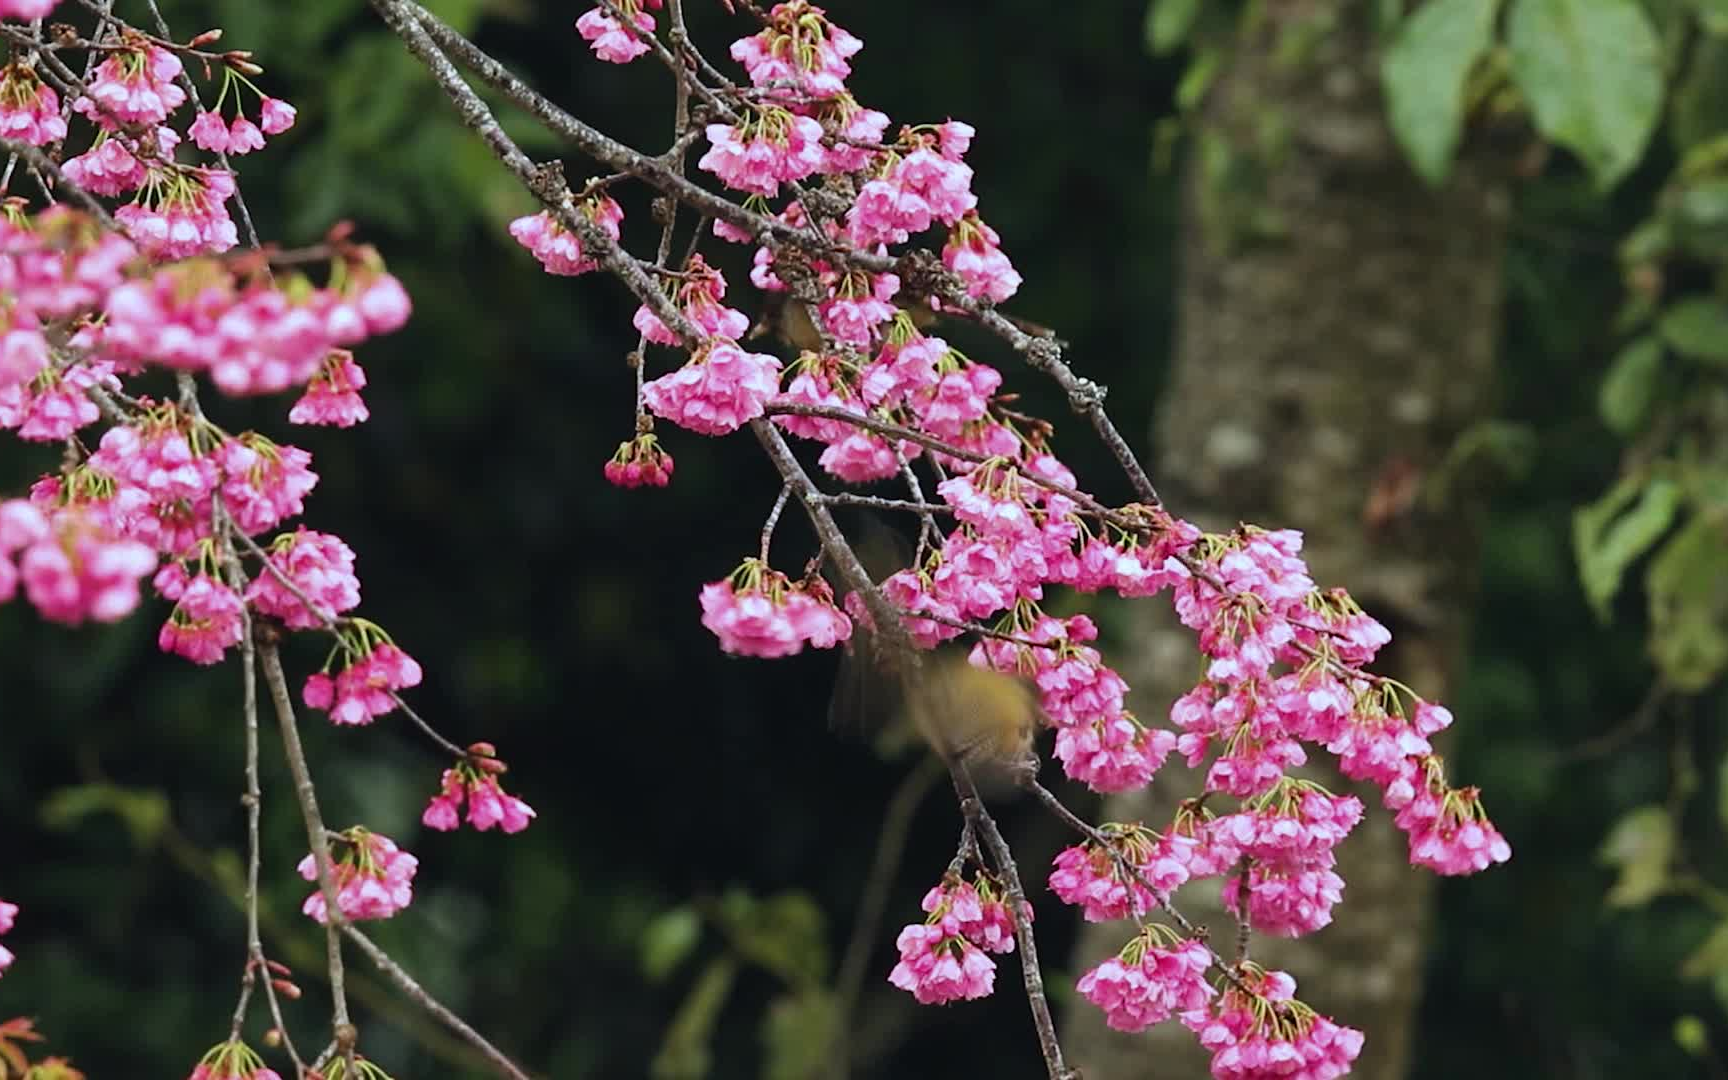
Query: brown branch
[[316, 834], [1031, 974], [892, 430], [40, 162]]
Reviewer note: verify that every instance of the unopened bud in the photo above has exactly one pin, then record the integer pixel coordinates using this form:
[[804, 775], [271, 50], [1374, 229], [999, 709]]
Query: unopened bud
[[272, 1038], [286, 989], [206, 38], [482, 749]]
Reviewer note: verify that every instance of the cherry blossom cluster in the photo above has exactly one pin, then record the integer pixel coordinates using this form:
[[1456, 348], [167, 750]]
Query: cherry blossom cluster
[[372, 668], [560, 250], [943, 958], [640, 462], [474, 780], [1157, 975], [757, 611], [232, 1060], [373, 877], [8, 913], [1259, 1029], [614, 41]]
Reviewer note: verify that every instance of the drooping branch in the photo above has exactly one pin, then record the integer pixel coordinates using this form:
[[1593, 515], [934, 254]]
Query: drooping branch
[[317, 836]]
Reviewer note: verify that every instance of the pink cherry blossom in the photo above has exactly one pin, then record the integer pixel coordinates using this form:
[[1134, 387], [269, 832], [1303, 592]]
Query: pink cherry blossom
[[210, 133], [55, 403], [26, 9], [474, 780], [244, 136], [23, 355], [332, 396], [372, 876], [858, 308], [757, 612], [8, 912], [133, 86], [937, 967], [640, 462], [1146, 983], [29, 108], [799, 49], [207, 620], [860, 458], [767, 149], [365, 688], [611, 40], [974, 252], [320, 565], [1090, 877], [718, 391], [1264, 1032], [698, 297], [72, 565], [264, 483], [559, 250]]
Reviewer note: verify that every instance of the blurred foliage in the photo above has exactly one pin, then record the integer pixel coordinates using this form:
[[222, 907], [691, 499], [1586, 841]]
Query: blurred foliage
[[702, 840]]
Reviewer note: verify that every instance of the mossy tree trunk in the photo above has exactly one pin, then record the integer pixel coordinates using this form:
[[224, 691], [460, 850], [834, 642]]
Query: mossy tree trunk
[[1337, 327]]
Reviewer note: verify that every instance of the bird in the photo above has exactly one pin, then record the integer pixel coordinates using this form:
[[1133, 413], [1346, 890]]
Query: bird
[[983, 719]]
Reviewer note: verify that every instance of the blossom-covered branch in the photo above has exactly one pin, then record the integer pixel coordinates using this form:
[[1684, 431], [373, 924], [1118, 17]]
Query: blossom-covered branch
[[1287, 659], [832, 207]]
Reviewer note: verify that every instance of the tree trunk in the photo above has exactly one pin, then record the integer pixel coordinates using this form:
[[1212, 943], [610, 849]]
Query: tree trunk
[[1338, 322]]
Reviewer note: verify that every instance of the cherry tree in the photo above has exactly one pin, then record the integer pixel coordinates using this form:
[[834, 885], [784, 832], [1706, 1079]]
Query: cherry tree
[[139, 299]]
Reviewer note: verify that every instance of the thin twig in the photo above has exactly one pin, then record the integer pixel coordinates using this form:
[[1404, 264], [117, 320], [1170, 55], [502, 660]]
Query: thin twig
[[191, 89], [418, 994], [774, 519], [257, 967]]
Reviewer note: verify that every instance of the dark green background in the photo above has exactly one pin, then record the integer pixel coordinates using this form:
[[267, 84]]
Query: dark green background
[[556, 615]]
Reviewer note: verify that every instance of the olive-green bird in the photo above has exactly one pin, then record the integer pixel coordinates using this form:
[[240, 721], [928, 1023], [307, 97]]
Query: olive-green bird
[[986, 720]]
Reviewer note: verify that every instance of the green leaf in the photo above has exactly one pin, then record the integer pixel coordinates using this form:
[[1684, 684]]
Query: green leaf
[[143, 811], [1688, 593], [1692, 1035], [1697, 328], [1630, 385], [686, 1053], [1592, 73], [784, 934], [1424, 73], [1607, 536], [1641, 846], [1700, 100], [1197, 79], [798, 1035], [1712, 15], [1168, 23], [667, 940], [1710, 957]]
